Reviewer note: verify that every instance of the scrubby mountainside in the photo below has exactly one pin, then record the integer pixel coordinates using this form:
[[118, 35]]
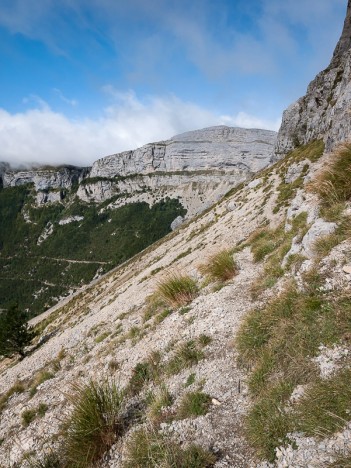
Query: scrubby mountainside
[[62, 227], [226, 343]]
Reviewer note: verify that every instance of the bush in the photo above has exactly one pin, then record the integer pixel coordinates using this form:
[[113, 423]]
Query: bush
[[177, 290], [149, 449], [94, 424], [194, 404], [220, 267]]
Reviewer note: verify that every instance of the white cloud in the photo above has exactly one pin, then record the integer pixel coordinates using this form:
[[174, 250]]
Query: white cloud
[[43, 136]]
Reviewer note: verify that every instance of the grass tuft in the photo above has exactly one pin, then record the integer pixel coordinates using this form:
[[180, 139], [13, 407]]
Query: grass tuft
[[149, 449], [193, 404], [186, 355], [94, 424], [220, 267], [177, 290]]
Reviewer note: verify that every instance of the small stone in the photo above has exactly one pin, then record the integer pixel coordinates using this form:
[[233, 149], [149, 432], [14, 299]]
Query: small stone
[[216, 402], [347, 269]]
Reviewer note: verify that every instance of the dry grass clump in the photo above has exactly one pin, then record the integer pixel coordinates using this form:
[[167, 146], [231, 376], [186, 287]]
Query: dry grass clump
[[177, 290], [94, 423], [220, 266], [149, 449], [18, 387], [333, 185]]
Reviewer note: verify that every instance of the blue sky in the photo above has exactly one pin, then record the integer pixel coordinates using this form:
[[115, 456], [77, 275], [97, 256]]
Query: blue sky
[[80, 79]]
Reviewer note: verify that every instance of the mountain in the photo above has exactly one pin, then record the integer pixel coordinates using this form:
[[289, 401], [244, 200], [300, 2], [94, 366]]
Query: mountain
[[324, 112], [64, 226], [226, 343]]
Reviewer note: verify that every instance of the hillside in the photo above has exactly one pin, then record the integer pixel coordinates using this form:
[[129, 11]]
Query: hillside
[[226, 343], [63, 227]]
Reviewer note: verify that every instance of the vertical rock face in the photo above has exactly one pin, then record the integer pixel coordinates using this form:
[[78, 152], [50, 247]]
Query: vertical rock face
[[325, 111], [221, 147], [44, 179]]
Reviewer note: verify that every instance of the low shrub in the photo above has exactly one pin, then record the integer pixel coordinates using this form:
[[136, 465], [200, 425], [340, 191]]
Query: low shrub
[[94, 423], [220, 267], [177, 290]]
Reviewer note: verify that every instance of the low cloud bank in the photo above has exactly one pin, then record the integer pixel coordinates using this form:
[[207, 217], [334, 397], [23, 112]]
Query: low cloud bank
[[43, 136]]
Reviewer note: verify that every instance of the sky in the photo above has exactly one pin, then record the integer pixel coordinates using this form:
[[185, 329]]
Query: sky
[[81, 79]]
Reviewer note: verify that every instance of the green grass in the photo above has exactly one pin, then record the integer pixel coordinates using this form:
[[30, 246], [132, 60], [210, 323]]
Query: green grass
[[157, 403], [220, 267], [277, 342], [325, 406], [186, 355], [177, 290], [149, 449], [41, 377], [190, 380], [94, 424], [101, 337], [193, 404], [18, 387], [29, 415], [143, 372], [333, 185]]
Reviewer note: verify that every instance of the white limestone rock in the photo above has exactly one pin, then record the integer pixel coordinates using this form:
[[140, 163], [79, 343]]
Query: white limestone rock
[[219, 147], [324, 112], [177, 222]]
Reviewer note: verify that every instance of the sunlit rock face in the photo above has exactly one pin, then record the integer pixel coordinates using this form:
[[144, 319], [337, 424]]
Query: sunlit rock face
[[219, 147], [324, 112]]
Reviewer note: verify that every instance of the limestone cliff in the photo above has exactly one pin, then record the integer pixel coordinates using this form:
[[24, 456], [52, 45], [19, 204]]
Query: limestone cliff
[[324, 112], [211, 148], [44, 178]]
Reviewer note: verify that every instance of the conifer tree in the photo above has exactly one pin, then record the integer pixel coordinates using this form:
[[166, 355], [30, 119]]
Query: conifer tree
[[15, 333]]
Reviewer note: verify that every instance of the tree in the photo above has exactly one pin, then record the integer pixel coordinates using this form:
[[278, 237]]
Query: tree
[[15, 333]]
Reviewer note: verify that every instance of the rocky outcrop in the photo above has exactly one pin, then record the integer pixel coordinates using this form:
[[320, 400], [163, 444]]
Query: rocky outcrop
[[325, 111], [221, 147], [45, 179]]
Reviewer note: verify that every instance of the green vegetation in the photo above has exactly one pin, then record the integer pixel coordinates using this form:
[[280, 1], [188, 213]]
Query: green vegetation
[[18, 387], [29, 415], [325, 407], [36, 275], [157, 403], [148, 449], [186, 355], [333, 185], [193, 404], [177, 290], [15, 334], [41, 377], [220, 267], [278, 342], [94, 424]]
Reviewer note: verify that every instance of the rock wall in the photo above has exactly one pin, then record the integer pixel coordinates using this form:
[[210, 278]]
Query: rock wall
[[219, 147], [45, 179], [325, 111]]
